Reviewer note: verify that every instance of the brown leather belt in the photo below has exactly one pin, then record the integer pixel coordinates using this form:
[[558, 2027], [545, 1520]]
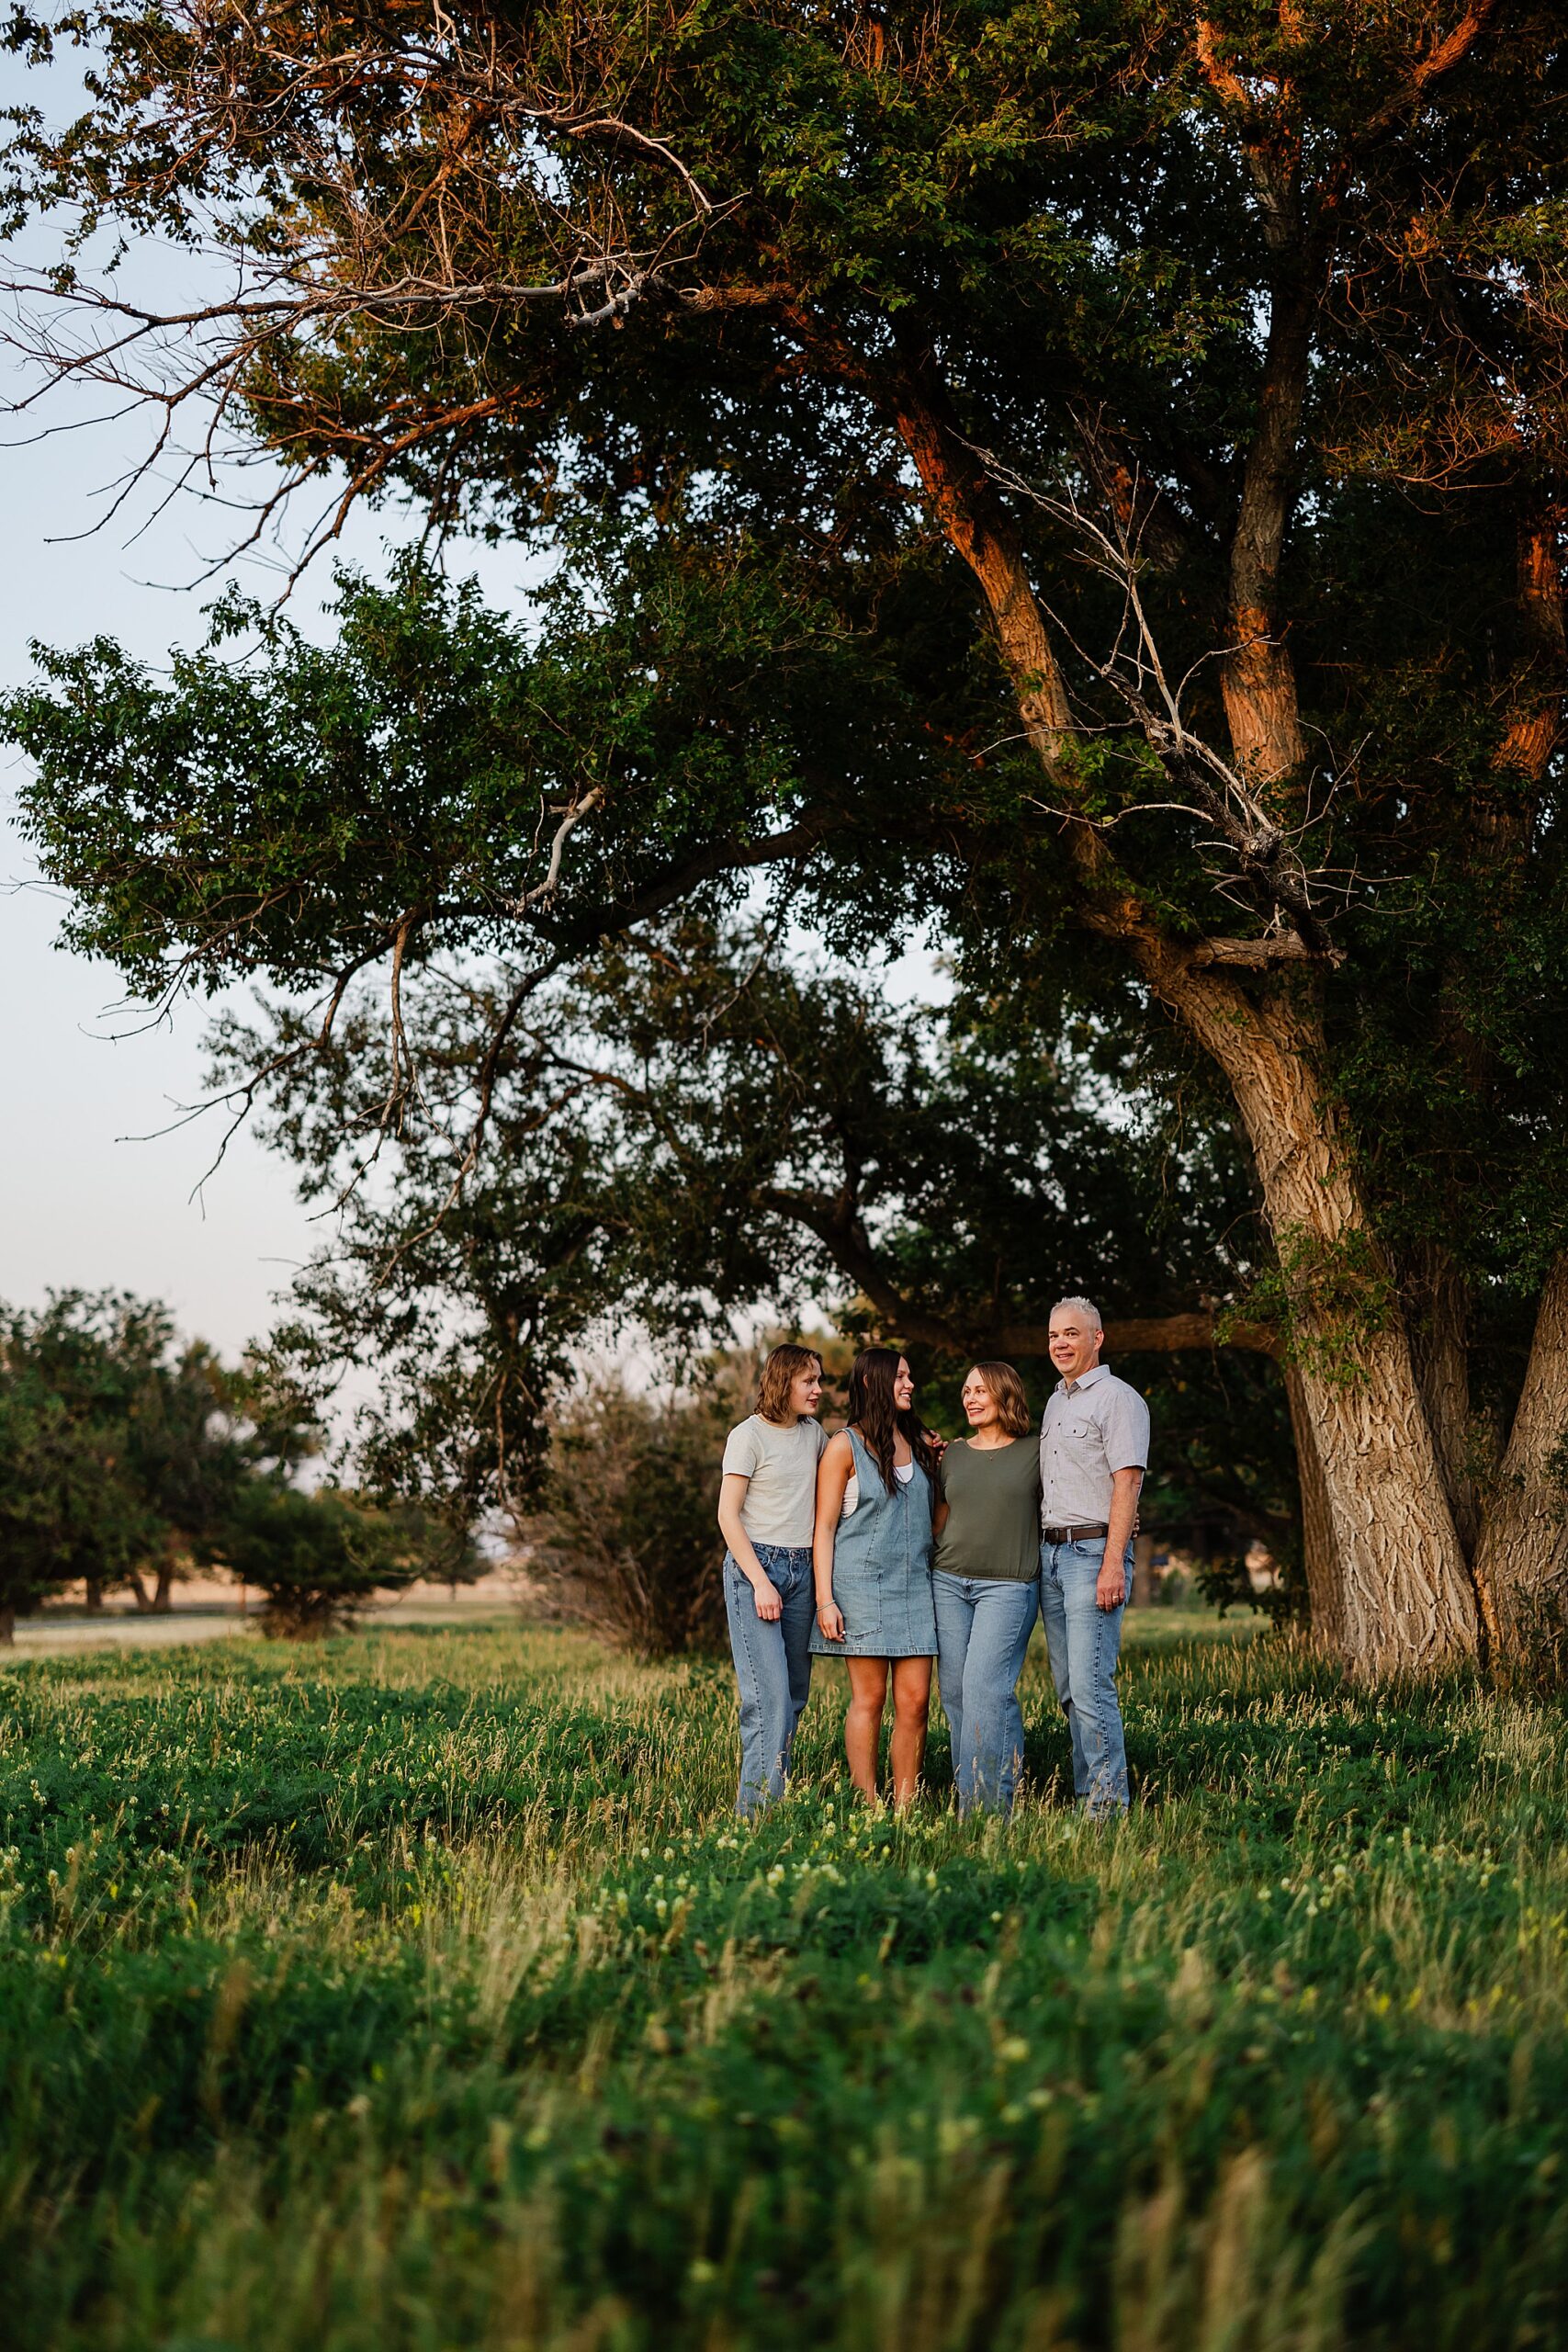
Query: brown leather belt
[[1071, 1534]]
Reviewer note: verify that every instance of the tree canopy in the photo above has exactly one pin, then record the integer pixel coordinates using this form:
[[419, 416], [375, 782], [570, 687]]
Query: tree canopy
[[1088, 479]]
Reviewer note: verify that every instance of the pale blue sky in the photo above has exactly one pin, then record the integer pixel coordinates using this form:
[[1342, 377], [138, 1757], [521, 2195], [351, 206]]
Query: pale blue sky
[[81, 1202]]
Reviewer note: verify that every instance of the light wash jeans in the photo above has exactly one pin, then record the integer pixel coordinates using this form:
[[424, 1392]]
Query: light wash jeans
[[772, 1666], [1085, 1643], [983, 1624]]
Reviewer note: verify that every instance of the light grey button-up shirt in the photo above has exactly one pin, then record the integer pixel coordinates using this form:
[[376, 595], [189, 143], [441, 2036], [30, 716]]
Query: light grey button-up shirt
[[1097, 1426]]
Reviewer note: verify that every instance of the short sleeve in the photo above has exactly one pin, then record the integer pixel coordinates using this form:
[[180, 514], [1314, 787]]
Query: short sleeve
[[822, 1440], [1126, 1430], [742, 1451]]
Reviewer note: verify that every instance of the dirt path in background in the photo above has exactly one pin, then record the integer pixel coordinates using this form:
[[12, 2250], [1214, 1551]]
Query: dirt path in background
[[205, 1611]]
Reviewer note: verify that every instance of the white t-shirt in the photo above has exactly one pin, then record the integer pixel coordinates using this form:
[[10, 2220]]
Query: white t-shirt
[[781, 1464]]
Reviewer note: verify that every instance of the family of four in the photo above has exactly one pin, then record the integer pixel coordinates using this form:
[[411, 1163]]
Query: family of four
[[886, 1548]]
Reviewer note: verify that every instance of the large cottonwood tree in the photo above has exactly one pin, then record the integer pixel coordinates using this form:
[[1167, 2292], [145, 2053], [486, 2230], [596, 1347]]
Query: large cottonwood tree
[[1223, 352]]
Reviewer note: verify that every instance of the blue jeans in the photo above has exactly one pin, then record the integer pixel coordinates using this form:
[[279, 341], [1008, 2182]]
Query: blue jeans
[[772, 1666], [983, 1624], [1085, 1643]]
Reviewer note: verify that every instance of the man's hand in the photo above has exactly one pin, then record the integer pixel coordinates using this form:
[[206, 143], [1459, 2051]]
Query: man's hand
[[770, 1602], [1110, 1585]]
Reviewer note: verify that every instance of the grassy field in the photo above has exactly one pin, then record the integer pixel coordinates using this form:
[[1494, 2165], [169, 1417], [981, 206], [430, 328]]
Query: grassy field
[[419, 1991]]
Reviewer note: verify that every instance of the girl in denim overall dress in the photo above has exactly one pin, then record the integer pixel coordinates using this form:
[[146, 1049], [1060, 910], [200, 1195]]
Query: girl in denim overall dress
[[873, 1561]]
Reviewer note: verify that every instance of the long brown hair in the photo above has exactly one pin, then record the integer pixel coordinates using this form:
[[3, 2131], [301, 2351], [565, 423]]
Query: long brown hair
[[871, 1409], [778, 1375]]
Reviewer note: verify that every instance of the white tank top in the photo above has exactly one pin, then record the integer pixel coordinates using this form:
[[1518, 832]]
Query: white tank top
[[903, 1472]]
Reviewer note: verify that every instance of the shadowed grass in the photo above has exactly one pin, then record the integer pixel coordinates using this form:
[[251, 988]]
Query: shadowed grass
[[419, 1991]]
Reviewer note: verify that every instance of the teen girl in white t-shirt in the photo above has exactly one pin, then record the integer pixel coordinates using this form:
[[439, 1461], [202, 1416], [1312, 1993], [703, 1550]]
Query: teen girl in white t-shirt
[[766, 1508]]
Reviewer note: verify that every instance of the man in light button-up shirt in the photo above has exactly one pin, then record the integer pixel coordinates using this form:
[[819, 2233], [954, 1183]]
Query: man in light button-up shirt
[[1094, 1449]]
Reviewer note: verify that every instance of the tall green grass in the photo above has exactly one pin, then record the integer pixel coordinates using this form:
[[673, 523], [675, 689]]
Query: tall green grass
[[420, 1991]]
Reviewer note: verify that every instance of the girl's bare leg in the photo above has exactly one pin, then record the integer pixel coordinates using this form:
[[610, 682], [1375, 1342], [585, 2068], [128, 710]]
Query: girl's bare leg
[[863, 1724], [911, 1706]]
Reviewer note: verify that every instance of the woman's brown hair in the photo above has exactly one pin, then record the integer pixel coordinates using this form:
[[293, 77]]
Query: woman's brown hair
[[1006, 1394], [871, 1409], [780, 1373]]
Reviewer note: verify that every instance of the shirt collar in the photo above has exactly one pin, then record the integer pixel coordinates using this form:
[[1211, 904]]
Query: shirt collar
[[1098, 1372]]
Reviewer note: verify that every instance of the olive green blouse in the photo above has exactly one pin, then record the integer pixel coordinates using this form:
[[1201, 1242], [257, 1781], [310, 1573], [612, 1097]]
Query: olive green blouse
[[993, 1503]]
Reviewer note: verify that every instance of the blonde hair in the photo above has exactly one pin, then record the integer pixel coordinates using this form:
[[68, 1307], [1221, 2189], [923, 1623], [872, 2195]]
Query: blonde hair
[[779, 1374], [1006, 1394]]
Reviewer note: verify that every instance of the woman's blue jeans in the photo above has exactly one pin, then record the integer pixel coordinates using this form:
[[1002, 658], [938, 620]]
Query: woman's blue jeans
[[1085, 1642], [772, 1667], [983, 1624]]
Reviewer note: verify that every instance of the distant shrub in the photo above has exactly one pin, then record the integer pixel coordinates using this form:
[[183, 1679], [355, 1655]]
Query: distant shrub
[[625, 1537], [319, 1558]]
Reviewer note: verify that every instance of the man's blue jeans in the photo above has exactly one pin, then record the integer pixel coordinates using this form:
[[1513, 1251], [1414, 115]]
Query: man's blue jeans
[[1085, 1643], [772, 1666], [983, 1624]]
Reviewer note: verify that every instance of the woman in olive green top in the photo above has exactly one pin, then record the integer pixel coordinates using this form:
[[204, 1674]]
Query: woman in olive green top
[[986, 1583]]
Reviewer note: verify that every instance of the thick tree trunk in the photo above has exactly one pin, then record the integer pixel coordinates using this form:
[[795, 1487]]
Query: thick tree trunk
[[7, 1628], [1438, 1321], [163, 1590], [1320, 1559], [95, 1596], [1144, 1585], [1406, 1602], [1521, 1560], [1521, 1555], [143, 1598]]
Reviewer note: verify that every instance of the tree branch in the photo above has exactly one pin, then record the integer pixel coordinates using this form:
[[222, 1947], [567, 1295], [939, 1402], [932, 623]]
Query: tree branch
[[837, 1227]]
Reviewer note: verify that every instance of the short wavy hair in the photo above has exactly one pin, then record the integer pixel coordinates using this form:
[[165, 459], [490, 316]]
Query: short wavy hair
[[1007, 1393], [782, 1368]]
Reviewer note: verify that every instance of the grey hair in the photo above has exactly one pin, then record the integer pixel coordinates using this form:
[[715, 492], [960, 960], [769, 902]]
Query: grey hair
[[1085, 1306]]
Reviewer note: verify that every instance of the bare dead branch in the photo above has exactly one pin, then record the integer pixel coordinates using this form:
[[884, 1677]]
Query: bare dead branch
[[1260, 850], [418, 246]]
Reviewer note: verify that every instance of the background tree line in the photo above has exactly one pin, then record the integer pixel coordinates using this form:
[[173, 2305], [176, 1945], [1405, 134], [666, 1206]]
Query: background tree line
[[1086, 482], [128, 1459]]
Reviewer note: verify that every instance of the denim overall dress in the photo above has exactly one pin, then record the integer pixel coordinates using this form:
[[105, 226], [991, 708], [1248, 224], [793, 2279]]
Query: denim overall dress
[[882, 1568]]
